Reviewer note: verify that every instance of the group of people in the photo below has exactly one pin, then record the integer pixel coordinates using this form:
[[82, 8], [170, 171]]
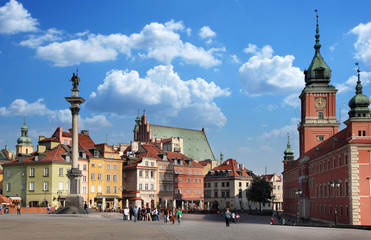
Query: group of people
[[148, 214], [231, 217], [6, 209]]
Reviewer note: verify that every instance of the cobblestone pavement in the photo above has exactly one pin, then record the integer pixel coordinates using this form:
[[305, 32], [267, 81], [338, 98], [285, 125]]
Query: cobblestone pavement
[[105, 226]]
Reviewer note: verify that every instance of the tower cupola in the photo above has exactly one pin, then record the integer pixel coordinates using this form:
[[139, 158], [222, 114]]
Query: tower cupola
[[289, 153], [359, 103], [318, 73]]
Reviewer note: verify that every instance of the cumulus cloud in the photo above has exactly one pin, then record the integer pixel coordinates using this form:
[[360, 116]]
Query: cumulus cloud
[[15, 19], [158, 41], [292, 100], [363, 43], [206, 32], [279, 133], [21, 107], [350, 84], [264, 73], [163, 92], [35, 41], [235, 59]]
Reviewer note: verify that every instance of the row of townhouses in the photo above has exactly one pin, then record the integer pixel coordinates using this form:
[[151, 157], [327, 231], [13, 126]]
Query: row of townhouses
[[155, 169]]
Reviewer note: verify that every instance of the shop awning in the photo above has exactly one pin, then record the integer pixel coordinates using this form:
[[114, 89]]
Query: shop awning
[[15, 199]]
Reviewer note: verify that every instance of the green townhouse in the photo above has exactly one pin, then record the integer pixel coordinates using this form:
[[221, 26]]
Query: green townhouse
[[39, 179]]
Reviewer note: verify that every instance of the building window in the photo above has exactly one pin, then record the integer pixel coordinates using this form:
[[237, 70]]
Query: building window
[[60, 187], [115, 178], [146, 163], [188, 180], [176, 191], [152, 174], [199, 180], [152, 164], [84, 167], [222, 184], [188, 172], [46, 186], [32, 172], [181, 191], [152, 187], [114, 166], [240, 184], [46, 172], [108, 177], [140, 173], [108, 166], [114, 189], [32, 186], [92, 164], [146, 186], [92, 176], [146, 173], [92, 188], [99, 176], [216, 193], [99, 164], [84, 178], [8, 187], [140, 186], [84, 190], [188, 191], [339, 161], [345, 159], [347, 189], [99, 188], [180, 171], [320, 114], [108, 189], [321, 138], [8, 173], [215, 184]]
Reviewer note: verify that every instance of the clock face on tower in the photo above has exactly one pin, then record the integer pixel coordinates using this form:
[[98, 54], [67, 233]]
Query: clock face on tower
[[320, 102]]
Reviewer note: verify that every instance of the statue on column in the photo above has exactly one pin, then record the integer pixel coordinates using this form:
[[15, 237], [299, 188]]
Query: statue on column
[[75, 81]]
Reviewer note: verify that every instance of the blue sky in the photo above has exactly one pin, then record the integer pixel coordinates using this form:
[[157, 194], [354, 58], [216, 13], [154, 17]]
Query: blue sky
[[233, 67]]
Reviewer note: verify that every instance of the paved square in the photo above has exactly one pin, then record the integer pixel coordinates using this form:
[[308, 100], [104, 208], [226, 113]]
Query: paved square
[[111, 226]]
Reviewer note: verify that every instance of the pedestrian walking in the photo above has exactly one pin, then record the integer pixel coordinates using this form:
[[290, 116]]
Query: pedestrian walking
[[179, 215], [86, 208], [1, 209], [233, 217], [227, 217], [166, 215]]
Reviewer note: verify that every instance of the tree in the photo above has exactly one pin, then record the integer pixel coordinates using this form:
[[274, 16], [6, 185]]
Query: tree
[[260, 191]]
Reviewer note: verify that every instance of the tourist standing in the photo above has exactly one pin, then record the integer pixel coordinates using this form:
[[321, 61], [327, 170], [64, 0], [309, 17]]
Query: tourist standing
[[148, 214], [179, 215], [126, 213], [166, 215], [86, 208], [135, 212], [19, 209], [227, 217], [1, 209]]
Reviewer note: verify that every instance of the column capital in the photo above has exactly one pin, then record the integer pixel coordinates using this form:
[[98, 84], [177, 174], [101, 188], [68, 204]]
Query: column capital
[[75, 110]]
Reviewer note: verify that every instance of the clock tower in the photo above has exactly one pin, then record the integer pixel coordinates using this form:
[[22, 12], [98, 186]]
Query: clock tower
[[318, 103]]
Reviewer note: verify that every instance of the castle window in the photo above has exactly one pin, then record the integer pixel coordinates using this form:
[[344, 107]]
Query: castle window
[[320, 114], [321, 138], [359, 133], [364, 133]]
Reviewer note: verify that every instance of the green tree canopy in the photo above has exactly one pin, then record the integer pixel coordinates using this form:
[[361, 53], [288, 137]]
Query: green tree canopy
[[260, 191]]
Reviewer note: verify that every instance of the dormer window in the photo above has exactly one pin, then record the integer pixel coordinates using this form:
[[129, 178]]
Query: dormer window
[[96, 153], [319, 72]]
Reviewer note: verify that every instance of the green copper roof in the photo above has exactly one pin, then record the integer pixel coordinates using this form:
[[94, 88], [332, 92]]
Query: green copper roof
[[24, 139], [289, 153], [319, 73], [359, 103], [195, 143]]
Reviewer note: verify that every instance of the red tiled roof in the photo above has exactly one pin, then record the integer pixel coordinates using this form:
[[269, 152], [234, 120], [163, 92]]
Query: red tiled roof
[[52, 139], [54, 155], [268, 177], [4, 199], [204, 162], [232, 165], [334, 142], [85, 142], [66, 134]]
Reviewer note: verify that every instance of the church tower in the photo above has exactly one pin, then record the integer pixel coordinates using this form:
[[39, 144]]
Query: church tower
[[318, 103], [24, 145]]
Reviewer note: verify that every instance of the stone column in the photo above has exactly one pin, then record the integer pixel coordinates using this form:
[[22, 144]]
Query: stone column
[[74, 201]]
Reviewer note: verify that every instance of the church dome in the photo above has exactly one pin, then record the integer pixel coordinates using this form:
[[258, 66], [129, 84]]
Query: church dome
[[359, 103], [24, 139]]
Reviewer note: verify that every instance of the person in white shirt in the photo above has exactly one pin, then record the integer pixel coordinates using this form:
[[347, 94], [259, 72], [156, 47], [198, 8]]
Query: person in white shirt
[[126, 213]]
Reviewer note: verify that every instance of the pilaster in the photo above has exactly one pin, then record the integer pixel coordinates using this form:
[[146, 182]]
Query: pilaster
[[355, 217]]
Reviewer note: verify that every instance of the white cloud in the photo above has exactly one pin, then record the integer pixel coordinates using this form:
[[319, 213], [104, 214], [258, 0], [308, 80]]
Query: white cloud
[[279, 133], [157, 41], [351, 83], [188, 31], [333, 47], [206, 32], [35, 41], [235, 59], [292, 100], [264, 73], [14, 19], [252, 48], [163, 93], [21, 107], [363, 43]]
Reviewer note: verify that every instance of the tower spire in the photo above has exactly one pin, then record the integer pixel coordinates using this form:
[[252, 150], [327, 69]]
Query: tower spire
[[317, 46], [359, 85]]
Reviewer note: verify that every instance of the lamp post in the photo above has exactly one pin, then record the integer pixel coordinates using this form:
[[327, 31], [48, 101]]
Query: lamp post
[[335, 184], [298, 194]]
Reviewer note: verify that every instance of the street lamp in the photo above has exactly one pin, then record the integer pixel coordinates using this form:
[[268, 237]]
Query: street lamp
[[298, 193], [335, 184]]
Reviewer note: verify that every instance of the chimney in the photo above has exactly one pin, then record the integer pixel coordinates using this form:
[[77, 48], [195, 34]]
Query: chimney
[[70, 130], [85, 132]]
